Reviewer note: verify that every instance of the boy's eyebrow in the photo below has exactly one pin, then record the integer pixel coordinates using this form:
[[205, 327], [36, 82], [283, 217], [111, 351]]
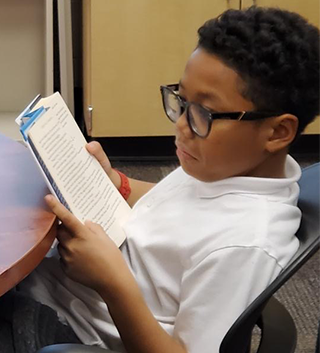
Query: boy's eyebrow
[[202, 95]]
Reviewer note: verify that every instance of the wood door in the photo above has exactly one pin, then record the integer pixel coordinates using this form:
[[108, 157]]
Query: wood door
[[130, 49], [310, 9]]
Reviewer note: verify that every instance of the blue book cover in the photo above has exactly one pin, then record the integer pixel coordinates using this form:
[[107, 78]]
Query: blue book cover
[[28, 117], [26, 120]]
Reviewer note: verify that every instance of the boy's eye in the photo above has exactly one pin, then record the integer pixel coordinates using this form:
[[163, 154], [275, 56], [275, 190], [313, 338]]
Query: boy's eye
[[203, 106]]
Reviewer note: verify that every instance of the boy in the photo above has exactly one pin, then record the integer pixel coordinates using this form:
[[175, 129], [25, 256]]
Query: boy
[[203, 243]]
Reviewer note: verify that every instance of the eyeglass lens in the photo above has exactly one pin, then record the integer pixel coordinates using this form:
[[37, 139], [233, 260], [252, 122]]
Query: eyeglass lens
[[198, 116], [172, 106], [199, 119]]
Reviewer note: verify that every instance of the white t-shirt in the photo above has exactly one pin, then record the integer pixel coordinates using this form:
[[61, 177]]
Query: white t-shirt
[[200, 252]]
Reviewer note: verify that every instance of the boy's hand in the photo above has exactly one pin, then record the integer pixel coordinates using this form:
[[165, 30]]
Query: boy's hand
[[95, 149], [88, 255]]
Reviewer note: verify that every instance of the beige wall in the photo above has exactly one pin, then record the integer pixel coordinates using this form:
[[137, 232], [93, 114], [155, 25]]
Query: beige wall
[[131, 48], [22, 45]]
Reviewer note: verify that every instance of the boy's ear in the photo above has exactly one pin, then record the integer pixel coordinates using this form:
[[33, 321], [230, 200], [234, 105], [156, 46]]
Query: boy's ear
[[282, 131]]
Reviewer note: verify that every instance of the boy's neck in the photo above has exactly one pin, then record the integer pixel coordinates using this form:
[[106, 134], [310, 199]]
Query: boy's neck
[[272, 167]]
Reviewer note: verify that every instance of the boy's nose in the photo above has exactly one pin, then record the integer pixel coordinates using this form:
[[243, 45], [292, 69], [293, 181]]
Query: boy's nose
[[182, 126]]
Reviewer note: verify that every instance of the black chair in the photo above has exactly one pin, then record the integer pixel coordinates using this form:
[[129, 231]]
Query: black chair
[[278, 331], [318, 339]]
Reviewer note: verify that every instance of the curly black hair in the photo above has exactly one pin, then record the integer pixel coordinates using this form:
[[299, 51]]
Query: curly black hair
[[276, 54]]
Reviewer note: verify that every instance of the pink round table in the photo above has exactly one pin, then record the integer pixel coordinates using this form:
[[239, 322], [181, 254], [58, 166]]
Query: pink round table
[[27, 227]]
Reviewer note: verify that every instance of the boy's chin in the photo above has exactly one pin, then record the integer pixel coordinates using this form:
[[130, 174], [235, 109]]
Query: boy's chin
[[195, 173]]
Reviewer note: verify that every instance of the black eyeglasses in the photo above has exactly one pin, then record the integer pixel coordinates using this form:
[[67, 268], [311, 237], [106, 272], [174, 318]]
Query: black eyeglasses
[[199, 118]]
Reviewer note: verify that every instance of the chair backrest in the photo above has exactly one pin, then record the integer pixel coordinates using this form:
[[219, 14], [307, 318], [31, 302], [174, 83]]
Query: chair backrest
[[238, 337]]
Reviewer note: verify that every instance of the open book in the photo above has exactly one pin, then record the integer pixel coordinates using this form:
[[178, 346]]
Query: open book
[[72, 174]]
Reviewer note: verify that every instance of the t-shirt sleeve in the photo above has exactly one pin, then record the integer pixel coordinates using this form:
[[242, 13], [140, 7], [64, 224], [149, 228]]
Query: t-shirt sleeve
[[215, 293]]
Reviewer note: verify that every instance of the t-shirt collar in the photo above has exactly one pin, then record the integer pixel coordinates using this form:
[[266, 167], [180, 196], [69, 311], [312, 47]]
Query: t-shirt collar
[[251, 185]]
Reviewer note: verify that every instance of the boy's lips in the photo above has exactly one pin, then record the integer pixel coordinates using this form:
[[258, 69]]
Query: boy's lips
[[182, 151]]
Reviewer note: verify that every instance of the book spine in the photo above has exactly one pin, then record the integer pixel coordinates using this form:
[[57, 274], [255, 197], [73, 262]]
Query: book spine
[[48, 175]]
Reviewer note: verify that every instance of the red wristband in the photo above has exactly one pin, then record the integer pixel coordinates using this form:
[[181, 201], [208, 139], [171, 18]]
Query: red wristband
[[124, 189]]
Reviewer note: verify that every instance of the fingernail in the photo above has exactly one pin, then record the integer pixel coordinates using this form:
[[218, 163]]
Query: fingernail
[[49, 198]]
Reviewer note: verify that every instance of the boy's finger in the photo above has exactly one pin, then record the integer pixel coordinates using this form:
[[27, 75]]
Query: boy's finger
[[95, 149], [94, 227], [65, 216], [63, 235]]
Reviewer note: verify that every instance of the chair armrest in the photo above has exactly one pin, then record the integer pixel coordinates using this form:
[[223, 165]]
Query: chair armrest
[[73, 348], [279, 334]]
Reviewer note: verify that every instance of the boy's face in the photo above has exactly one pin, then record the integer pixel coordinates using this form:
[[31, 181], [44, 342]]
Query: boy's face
[[232, 148]]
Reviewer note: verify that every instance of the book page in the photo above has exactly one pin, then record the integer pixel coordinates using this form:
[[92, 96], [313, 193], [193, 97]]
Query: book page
[[81, 180]]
